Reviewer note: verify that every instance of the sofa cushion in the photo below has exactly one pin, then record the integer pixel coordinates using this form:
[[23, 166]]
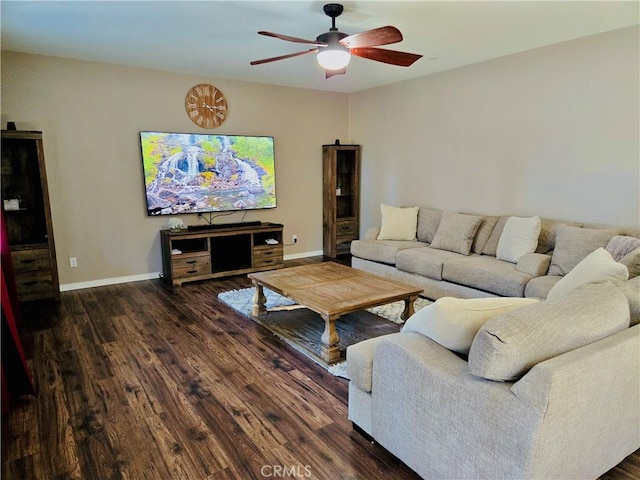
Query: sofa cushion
[[492, 243], [484, 232], [360, 361], [621, 245], [519, 237], [398, 223], [454, 322], [535, 264], [575, 243], [508, 345], [547, 238], [539, 287], [428, 222], [632, 262], [486, 273], [383, 251], [456, 232], [598, 266], [424, 261]]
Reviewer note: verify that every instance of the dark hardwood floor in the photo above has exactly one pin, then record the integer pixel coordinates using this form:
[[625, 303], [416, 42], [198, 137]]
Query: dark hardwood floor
[[144, 381]]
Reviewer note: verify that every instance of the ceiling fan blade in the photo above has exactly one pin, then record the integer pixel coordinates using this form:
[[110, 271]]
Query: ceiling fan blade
[[290, 39], [282, 57], [393, 57], [331, 73], [371, 38]]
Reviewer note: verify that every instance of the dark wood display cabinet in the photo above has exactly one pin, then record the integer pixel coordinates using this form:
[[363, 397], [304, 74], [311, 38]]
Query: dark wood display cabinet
[[25, 204], [188, 255], [341, 198]]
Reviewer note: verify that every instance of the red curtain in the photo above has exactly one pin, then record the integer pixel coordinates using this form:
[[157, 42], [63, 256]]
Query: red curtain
[[16, 379]]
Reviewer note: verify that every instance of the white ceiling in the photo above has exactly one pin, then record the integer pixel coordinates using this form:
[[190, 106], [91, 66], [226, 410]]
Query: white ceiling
[[219, 38]]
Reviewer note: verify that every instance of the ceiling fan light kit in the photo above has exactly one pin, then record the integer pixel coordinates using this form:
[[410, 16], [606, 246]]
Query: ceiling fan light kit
[[335, 48]]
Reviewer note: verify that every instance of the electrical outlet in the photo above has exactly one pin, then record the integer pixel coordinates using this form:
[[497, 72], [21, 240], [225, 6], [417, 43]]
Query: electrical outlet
[[73, 262], [294, 238]]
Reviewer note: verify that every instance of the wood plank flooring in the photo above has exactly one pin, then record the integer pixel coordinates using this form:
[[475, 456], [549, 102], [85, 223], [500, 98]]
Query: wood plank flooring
[[143, 381]]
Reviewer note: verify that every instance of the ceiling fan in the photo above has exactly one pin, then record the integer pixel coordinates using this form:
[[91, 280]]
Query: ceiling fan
[[335, 48]]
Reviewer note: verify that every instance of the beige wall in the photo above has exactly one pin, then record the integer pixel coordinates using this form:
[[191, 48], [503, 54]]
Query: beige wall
[[551, 132], [91, 114]]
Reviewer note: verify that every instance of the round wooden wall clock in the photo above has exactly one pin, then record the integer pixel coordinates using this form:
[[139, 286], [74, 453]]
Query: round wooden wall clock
[[206, 106]]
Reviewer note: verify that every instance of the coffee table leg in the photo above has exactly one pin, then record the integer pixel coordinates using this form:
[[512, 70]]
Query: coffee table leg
[[330, 350], [408, 307], [259, 300]]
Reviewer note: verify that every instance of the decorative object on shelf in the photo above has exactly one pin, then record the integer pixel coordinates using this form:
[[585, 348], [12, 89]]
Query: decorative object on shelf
[[175, 224], [206, 106], [335, 48], [12, 204], [341, 197]]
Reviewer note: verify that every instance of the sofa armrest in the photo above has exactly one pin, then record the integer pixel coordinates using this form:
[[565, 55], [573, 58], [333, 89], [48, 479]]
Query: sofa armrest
[[534, 264], [372, 233], [589, 398]]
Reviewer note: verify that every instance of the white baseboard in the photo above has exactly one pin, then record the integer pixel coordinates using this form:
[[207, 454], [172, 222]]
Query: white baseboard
[[149, 276], [108, 281]]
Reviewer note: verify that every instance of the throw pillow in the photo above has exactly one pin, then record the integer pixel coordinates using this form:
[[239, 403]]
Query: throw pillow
[[621, 245], [575, 243], [428, 221], [453, 322], [598, 266], [519, 237], [398, 223], [509, 345], [632, 262], [492, 244], [484, 232], [456, 232]]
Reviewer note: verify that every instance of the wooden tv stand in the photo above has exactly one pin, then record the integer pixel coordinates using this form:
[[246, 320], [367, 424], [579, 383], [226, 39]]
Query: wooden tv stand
[[220, 252]]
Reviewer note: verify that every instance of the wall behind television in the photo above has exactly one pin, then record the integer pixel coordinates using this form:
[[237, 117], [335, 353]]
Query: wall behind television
[[91, 114], [551, 132]]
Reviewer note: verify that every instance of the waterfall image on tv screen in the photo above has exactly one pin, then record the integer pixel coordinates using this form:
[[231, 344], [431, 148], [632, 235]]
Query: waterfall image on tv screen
[[196, 173]]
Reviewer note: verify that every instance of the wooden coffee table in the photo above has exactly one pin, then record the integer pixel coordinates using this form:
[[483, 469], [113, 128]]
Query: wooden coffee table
[[331, 290]]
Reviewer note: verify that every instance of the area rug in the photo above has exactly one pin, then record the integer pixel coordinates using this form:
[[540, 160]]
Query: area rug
[[302, 328]]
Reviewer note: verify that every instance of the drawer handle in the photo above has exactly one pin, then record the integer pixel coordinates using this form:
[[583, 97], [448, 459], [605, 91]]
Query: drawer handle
[[192, 271], [191, 262], [30, 283], [345, 227], [268, 253], [30, 260], [269, 261]]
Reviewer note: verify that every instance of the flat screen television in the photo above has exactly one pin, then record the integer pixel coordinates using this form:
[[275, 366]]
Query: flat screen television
[[200, 173]]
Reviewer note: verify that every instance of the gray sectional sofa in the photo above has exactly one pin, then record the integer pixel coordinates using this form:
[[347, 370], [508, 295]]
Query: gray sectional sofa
[[544, 385], [477, 272], [565, 404]]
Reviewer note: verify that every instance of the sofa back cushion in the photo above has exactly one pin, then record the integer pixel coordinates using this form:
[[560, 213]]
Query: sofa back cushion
[[573, 244], [484, 232], [547, 238], [456, 232], [492, 243], [509, 345], [428, 222]]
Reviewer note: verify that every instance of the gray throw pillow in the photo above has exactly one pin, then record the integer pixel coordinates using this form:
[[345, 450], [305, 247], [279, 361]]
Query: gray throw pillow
[[492, 243], [484, 232], [509, 345], [428, 222], [573, 244], [632, 262], [622, 245], [456, 232]]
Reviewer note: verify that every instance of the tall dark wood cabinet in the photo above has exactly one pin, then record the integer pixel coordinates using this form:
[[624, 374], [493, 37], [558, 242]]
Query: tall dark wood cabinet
[[25, 203], [341, 198]]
